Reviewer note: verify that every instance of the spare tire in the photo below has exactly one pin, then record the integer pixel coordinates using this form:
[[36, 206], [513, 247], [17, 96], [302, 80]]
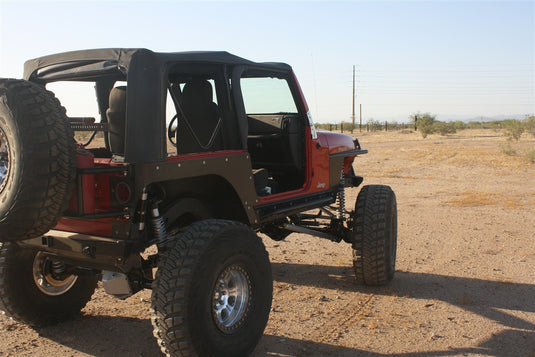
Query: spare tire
[[37, 160]]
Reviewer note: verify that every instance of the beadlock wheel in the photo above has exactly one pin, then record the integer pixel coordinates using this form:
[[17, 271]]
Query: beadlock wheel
[[39, 290], [212, 292], [231, 298], [49, 276], [5, 158]]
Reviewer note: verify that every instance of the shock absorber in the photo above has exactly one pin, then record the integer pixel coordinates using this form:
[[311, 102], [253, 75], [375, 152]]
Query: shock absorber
[[158, 228], [144, 196], [342, 198]]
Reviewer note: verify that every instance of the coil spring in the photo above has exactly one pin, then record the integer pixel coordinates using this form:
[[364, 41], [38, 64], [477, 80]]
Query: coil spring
[[158, 228], [342, 198], [57, 267]]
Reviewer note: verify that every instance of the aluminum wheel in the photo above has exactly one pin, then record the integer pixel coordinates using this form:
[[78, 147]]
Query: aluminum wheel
[[4, 160], [230, 301], [50, 276]]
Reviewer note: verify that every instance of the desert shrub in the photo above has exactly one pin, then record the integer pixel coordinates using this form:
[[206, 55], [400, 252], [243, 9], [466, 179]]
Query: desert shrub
[[530, 155], [393, 125], [494, 124], [529, 124], [459, 125], [474, 125], [444, 128], [507, 150], [406, 131], [423, 122], [513, 129], [374, 125]]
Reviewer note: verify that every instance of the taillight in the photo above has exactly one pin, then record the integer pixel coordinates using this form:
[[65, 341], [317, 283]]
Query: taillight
[[123, 193]]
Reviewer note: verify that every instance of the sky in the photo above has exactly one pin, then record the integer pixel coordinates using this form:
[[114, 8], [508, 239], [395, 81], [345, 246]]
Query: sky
[[459, 60]]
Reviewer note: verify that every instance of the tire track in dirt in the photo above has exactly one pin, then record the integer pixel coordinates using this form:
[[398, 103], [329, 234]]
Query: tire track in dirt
[[331, 330]]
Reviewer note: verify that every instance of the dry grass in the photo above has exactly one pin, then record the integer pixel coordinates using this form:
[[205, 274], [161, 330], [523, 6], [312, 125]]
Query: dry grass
[[529, 155], [481, 198], [467, 148]]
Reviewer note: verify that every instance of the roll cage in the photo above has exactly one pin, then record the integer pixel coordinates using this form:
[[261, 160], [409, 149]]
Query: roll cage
[[149, 76]]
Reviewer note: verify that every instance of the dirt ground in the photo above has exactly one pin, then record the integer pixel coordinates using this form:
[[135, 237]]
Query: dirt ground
[[464, 285]]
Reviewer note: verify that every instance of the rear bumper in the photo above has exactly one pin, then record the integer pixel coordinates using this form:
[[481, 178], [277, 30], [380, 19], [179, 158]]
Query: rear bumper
[[87, 251]]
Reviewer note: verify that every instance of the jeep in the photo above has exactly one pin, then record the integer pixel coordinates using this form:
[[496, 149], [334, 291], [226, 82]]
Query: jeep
[[196, 153]]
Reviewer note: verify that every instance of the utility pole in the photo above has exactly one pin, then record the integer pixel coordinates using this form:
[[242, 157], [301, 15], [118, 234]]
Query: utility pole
[[353, 112]]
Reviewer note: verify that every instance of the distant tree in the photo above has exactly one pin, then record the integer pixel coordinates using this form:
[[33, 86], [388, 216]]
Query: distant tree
[[473, 125], [494, 124], [444, 128], [529, 124], [423, 122], [513, 129], [322, 126], [459, 125], [374, 125], [393, 125]]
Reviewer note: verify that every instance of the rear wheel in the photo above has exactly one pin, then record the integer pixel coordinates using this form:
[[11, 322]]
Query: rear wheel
[[213, 290], [38, 290], [374, 235]]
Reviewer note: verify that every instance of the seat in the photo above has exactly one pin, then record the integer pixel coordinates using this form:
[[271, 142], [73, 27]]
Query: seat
[[199, 129], [116, 115]]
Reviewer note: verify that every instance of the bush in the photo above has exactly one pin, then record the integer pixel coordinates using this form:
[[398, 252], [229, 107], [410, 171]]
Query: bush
[[529, 124], [459, 125], [444, 128], [530, 155], [507, 150], [423, 123], [513, 129], [374, 125]]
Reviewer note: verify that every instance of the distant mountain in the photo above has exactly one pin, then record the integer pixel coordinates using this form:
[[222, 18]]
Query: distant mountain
[[468, 118]]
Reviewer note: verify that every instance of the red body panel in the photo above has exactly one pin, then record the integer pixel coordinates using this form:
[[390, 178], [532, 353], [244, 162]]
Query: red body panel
[[97, 199], [85, 159], [337, 142], [317, 161]]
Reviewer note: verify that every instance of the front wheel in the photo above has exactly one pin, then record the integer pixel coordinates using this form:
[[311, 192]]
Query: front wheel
[[374, 235], [213, 290], [38, 290]]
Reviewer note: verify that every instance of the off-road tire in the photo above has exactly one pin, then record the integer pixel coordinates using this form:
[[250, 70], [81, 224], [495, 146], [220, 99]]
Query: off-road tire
[[21, 299], [374, 236], [38, 155], [183, 314]]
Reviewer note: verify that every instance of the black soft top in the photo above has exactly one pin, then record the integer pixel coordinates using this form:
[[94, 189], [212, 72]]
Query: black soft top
[[147, 75], [86, 64]]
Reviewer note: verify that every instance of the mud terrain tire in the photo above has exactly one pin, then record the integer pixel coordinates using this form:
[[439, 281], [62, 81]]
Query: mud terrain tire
[[374, 237], [55, 299], [213, 290], [37, 160]]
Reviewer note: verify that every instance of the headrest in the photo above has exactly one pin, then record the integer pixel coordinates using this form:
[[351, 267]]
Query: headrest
[[118, 99], [197, 91]]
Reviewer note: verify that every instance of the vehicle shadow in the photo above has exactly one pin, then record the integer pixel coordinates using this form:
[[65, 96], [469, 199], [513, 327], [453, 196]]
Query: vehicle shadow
[[507, 343], [483, 297], [112, 336], [102, 335], [105, 336], [494, 300]]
